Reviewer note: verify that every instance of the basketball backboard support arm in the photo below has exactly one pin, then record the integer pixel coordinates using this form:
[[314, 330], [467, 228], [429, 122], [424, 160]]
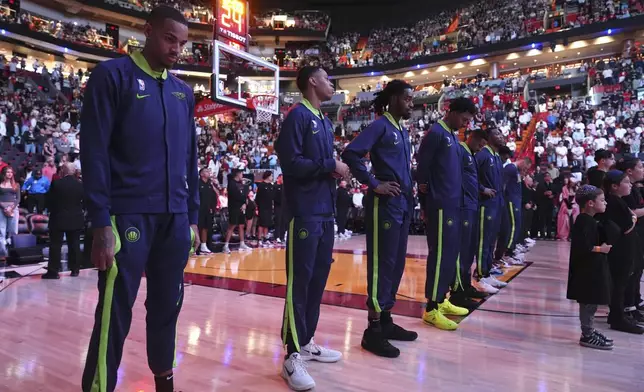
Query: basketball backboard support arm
[[238, 100]]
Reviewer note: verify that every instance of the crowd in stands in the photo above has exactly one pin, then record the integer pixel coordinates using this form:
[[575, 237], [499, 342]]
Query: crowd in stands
[[303, 20], [473, 25]]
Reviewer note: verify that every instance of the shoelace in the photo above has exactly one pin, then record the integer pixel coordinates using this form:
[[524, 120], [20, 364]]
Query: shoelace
[[300, 364]]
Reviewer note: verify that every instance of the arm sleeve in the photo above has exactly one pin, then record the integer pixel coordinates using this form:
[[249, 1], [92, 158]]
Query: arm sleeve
[[354, 153], [290, 150], [481, 159], [27, 184], [97, 118], [192, 170], [426, 155]]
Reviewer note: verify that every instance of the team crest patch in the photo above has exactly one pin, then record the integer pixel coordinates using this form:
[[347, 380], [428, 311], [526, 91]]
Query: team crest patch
[[314, 124], [386, 225], [303, 234], [141, 85], [179, 95], [132, 234], [450, 222]]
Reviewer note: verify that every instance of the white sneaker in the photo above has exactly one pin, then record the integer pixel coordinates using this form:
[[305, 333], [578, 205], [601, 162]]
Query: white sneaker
[[203, 249], [494, 282], [521, 248], [244, 247], [349, 232], [278, 241], [314, 352], [529, 240], [226, 249], [295, 373], [483, 287]]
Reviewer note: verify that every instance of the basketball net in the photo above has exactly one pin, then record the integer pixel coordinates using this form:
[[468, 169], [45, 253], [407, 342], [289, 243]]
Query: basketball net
[[264, 106]]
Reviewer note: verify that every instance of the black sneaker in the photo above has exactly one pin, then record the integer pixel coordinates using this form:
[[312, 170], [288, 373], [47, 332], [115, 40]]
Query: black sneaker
[[604, 337], [628, 326], [74, 273], [471, 292], [636, 316], [393, 331], [594, 341], [374, 341], [459, 299], [50, 275]]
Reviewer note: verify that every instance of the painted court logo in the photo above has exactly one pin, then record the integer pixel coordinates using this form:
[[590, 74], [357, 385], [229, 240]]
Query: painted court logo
[[132, 234], [386, 225], [303, 234]]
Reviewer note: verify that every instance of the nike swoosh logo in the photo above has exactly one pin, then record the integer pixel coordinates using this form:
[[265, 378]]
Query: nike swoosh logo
[[139, 96], [316, 132], [396, 143], [317, 353]]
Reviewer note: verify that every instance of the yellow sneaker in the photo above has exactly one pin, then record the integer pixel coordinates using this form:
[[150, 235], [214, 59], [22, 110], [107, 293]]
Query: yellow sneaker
[[448, 308], [437, 319]]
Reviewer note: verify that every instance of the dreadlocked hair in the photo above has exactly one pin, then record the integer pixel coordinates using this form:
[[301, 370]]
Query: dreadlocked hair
[[393, 88]]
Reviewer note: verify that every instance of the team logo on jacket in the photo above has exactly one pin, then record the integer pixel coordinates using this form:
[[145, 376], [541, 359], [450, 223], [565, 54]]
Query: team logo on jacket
[[303, 234], [489, 217], [396, 139], [466, 223], [449, 141], [132, 234], [314, 124], [141, 84], [179, 95], [386, 225], [450, 222]]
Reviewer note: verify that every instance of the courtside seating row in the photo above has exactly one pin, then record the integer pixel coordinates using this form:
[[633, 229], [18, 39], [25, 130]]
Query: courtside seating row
[[35, 224]]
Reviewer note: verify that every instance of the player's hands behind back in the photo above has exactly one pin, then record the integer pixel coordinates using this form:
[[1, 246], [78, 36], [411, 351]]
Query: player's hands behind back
[[388, 188]]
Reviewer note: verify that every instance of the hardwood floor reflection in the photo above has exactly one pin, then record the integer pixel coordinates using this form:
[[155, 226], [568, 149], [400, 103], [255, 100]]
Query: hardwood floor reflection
[[522, 339]]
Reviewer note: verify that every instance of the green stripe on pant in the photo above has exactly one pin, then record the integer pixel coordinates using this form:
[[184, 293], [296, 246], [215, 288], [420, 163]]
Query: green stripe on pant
[[100, 376], [290, 313], [439, 254], [479, 257], [374, 278], [512, 225]]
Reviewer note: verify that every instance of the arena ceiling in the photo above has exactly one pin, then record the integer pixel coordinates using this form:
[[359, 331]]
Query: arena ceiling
[[363, 15]]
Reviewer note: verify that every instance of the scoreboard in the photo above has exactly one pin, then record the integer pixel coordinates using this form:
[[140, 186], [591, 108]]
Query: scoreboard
[[231, 26]]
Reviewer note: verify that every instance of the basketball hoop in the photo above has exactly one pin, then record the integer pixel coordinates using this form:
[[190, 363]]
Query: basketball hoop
[[265, 106]]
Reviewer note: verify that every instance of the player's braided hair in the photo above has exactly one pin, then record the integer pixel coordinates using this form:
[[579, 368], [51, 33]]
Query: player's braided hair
[[393, 88]]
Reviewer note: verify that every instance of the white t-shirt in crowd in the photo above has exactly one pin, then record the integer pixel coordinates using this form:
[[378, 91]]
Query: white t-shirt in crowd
[[577, 153], [620, 133], [600, 143]]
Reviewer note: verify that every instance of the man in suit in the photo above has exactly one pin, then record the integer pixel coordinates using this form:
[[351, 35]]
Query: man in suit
[[65, 204]]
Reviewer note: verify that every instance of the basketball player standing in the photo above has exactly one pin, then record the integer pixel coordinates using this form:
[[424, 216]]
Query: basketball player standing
[[305, 150], [389, 205], [440, 178], [143, 203]]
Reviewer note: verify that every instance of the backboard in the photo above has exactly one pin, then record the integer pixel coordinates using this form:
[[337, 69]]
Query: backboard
[[238, 77]]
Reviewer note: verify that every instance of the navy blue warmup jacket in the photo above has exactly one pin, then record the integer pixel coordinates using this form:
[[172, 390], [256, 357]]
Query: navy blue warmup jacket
[[489, 169], [440, 167], [512, 184], [138, 142], [389, 149], [470, 180], [305, 150]]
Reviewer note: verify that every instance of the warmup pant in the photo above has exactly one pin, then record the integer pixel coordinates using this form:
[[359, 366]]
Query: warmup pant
[[387, 232], [509, 229], [308, 262], [443, 243], [488, 222], [159, 245], [469, 235]]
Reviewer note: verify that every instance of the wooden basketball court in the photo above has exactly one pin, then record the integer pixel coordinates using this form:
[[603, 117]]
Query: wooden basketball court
[[522, 339]]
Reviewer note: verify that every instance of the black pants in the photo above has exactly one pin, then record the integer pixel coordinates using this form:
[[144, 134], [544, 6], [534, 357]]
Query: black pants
[[280, 225], [528, 215], [632, 296], [37, 201], [73, 249], [546, 221], [620, 277], [341, 220]]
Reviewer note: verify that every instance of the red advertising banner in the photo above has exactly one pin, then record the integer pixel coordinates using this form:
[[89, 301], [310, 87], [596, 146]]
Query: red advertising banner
[[207, 107]]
